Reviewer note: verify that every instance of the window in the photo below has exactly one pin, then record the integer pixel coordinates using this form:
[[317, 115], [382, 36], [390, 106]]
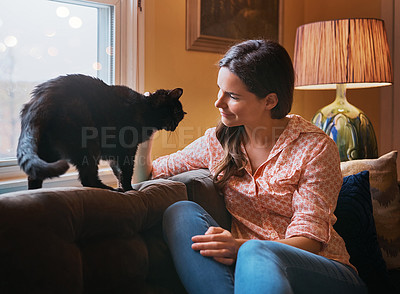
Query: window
[[42, 39]]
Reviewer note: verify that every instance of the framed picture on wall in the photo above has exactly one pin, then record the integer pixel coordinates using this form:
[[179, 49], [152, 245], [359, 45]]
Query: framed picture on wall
[[215, 25]]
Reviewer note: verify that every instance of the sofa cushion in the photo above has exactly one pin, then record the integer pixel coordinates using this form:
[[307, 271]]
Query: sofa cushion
[[385, 201], [355, 223]]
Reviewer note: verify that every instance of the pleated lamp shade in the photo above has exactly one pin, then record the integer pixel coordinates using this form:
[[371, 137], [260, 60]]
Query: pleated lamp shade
[[354, 52], [342, 54]]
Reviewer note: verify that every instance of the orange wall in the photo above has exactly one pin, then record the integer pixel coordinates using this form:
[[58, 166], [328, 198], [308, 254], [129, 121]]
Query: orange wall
[[168, 64]]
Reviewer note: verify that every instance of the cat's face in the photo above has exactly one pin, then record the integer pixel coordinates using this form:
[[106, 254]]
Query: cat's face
[[168, 108]]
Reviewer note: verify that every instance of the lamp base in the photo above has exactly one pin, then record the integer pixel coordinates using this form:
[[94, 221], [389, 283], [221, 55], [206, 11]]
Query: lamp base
[[348, 126]]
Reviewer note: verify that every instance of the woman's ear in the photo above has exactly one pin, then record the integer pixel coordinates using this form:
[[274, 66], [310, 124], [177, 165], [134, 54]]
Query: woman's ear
[[271, 101]]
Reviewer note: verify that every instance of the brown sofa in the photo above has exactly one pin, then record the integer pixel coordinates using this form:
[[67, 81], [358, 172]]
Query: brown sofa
[[84, 240]]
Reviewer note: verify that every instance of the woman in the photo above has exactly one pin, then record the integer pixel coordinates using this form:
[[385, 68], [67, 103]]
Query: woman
[[280, 177]]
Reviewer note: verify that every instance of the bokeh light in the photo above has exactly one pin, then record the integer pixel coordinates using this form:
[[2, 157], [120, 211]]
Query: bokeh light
[[109, 50], [62, 11], [50, 32], [75, 22], [52, 51], [97, 66], [3, 47], [11, 41]]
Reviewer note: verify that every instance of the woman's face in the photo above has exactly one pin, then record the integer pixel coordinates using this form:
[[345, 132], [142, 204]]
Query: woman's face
[[236, 104]]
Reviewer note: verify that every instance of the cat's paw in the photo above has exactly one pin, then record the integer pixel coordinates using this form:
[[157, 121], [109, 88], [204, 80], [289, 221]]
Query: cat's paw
[[122, 190]]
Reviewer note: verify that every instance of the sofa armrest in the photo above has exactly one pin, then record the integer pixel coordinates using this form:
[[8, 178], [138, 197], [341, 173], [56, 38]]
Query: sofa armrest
[[201, 189]]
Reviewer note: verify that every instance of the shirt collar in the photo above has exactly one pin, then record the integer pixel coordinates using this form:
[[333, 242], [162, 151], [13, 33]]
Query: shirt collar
[[294, 128]]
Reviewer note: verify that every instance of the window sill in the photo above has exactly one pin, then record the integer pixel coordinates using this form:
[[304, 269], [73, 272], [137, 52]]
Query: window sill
[[69, 179]]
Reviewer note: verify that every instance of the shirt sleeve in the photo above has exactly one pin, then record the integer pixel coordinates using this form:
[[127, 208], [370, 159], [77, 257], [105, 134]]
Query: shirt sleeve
[[315, 199], [194, 156]]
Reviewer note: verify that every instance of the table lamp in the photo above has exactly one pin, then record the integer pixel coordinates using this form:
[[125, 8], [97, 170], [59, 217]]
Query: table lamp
[[344, 54]]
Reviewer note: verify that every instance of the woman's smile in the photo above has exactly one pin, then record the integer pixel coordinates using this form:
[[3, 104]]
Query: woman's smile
[[226, 114]]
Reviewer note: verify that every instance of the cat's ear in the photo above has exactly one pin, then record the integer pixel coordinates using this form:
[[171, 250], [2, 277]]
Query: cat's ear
[[176, 93]]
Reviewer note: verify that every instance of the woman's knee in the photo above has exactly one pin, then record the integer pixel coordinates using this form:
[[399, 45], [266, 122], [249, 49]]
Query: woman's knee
[[254, 250], [258, 269], [254, 247], [250, 246], [183, 215], [185, 219], [180, 208]]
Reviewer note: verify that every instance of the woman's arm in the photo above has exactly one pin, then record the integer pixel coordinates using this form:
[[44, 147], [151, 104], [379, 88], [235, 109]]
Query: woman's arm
[[143, 162], [219, 244], [314, 200], [304, 243], [196, 155]]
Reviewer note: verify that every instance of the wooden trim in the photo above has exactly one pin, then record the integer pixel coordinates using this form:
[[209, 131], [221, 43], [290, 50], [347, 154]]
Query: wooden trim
[[390, 96], [386, 93], [396, 84], [198, 42]]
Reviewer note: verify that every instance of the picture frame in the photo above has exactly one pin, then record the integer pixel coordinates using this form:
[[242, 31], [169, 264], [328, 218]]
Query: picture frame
[[212, 28]]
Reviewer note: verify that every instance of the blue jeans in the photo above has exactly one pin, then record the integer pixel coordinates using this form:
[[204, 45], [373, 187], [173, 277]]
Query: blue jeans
[[261, 266]]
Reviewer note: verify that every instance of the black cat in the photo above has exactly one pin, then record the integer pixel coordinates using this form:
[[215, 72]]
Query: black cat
[[81, 119]]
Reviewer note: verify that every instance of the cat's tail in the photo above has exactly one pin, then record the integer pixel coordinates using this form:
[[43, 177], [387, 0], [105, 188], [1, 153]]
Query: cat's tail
[[32, 164]]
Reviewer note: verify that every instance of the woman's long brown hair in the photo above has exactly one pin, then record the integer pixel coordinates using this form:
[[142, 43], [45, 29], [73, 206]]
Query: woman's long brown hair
[[234, 161], [264, 67]]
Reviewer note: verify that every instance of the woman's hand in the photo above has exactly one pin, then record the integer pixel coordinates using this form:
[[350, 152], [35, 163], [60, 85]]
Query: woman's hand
[[217, 243]]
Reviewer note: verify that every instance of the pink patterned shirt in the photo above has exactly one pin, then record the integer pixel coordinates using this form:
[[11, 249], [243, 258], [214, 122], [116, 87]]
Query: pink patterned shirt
[[293, 193]]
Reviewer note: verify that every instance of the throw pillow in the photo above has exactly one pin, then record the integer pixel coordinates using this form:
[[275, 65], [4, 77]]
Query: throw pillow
[[385, 201], [355, 224]]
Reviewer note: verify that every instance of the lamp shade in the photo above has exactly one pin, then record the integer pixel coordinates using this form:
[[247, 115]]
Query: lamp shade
[[354, 52]]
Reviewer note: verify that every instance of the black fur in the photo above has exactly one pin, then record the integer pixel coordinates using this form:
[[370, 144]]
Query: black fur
[[81, 119]]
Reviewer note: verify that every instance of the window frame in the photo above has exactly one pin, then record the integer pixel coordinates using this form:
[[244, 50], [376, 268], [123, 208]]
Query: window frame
[[128, 70]]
